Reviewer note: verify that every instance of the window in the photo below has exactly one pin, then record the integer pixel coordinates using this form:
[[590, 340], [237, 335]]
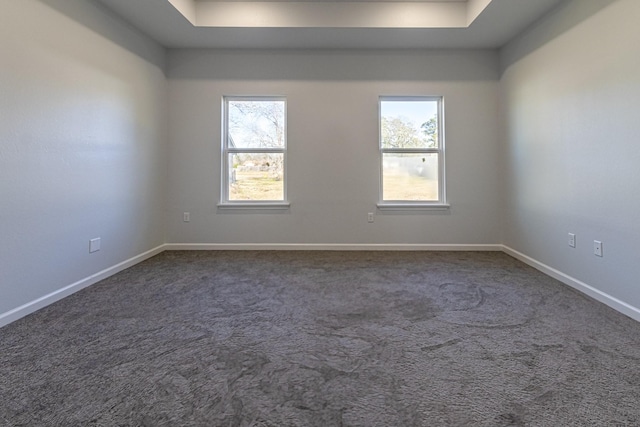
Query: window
[[254, 151], [411, 152]]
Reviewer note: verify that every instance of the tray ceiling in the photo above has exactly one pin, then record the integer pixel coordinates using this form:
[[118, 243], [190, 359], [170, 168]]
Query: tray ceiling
[[386, 24]]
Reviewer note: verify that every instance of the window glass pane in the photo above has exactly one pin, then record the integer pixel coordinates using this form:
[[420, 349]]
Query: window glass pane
[[409, 124], [410, 176], [256, 176], [256, 124]]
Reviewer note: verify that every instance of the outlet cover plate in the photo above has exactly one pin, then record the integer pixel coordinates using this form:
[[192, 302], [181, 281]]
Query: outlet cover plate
[[597, 247], [94, 245]]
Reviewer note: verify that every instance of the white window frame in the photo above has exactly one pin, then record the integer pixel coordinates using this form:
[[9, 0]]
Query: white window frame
[[225, 203], [441, 203]]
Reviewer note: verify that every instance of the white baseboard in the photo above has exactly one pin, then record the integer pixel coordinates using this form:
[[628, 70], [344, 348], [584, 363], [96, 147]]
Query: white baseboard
[[327, 247], [616, 304], [594, 293], [30, 307]]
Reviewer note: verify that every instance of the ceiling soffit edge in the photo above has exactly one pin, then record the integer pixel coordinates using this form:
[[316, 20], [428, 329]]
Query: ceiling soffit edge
[[323, 14]]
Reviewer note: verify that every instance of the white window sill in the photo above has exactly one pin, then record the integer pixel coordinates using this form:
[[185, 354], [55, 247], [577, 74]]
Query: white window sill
[[413, 206], [255, 206]]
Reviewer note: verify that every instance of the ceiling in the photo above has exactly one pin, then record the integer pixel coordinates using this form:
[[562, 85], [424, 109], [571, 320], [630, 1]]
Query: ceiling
[[326, 24]]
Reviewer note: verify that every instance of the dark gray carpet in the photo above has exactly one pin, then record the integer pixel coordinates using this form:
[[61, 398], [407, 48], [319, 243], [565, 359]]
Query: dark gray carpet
[[323, 339]]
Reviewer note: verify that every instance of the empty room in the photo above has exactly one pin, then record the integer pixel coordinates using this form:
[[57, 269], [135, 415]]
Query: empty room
[[319, 213]]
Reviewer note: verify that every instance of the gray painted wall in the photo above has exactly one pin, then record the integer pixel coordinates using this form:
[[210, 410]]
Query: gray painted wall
[[570, 96], [333, 169], [82, 145]]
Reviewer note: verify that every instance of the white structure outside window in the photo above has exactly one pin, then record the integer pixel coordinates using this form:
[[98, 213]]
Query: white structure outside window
[[254, 151], [411, 152]]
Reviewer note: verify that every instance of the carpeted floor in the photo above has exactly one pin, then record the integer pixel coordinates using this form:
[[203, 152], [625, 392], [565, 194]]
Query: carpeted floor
[[323, 339]]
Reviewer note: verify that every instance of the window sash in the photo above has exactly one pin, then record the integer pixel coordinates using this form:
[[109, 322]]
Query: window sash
[[227, 150], [439, 151]]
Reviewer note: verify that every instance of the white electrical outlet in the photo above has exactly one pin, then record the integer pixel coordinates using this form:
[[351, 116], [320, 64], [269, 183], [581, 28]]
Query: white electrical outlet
[[370, 217], [94, 245], [597, 247], [572, 240], [186, 217]]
